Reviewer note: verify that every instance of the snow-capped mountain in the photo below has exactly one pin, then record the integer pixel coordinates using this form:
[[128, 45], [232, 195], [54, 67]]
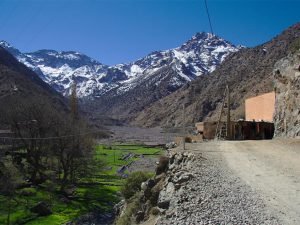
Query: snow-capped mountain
[[198, 56], [60, 68]]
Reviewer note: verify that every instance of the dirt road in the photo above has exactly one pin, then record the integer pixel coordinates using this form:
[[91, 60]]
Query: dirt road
[[271, 168]]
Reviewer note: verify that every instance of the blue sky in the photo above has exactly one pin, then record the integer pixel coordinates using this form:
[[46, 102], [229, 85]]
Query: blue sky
[[120, 31]]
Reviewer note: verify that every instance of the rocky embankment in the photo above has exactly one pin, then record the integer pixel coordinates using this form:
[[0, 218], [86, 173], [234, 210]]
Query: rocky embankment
[[287, 105], [190, 189]]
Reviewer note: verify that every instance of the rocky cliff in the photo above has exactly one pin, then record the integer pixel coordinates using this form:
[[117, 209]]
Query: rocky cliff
[[287, 87]]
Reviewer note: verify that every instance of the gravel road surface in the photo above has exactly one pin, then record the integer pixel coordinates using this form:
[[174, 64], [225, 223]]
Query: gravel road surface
[[240, 182]]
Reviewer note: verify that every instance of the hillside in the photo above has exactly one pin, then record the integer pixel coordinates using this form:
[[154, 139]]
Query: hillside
[[19, 82], [287, 87], [248, 73]]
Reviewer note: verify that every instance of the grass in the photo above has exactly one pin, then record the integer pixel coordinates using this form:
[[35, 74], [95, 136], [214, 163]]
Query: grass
[[99, 192], [113, 155]]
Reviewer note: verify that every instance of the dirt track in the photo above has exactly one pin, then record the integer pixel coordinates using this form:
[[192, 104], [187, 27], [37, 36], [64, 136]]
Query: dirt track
[[271, 168]]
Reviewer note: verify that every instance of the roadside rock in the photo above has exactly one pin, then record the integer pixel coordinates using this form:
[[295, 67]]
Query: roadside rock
[[165, 196], [171, 145], [175, 176]]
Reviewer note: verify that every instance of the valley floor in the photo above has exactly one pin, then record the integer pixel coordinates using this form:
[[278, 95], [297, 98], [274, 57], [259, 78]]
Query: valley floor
[[240, 182]]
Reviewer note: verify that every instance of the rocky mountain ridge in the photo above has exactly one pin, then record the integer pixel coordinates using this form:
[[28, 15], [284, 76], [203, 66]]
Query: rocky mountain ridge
[[198, 56]]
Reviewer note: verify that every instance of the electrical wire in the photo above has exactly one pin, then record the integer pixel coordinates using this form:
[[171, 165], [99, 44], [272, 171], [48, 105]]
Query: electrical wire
[[211, 29], [49, 138]]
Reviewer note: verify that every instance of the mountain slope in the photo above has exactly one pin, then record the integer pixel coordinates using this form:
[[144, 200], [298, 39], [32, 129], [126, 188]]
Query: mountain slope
[[287, 86], [248, 73], [200, 55], [17, 81], [59, 68]]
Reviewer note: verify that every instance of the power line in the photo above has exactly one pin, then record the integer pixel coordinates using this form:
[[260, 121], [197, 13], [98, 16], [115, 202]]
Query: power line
[[211, 29], [49, 138]]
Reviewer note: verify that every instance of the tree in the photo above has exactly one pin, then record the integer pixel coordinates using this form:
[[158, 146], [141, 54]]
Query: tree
[[32, 122], [73, 150], [10, 178], [74, 101], [49, 142]]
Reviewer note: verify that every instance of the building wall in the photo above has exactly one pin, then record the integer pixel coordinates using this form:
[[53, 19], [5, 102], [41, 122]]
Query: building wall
[[207, 129], [200, 127], [261, 107]]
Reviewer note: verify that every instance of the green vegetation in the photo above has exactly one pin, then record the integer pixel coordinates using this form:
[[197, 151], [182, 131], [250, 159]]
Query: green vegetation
[[133, 183], [113, 154], [96, 190], [295, 46]]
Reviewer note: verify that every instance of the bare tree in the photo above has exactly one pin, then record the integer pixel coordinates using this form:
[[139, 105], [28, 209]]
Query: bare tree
[[31, 121], [51, 142], [74, 153], [10, 178]]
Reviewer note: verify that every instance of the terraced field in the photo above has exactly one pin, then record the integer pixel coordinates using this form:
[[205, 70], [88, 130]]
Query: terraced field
[[96, 193]]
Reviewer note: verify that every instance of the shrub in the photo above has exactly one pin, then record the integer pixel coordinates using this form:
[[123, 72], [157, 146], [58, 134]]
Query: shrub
[[188, 139], [295, 46], [162, 165], [133, 183], [28, 192], [155, 211]]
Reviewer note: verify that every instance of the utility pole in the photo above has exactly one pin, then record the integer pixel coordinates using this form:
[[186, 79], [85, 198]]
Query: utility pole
[[184, 124], [183, 141], [228, 114], [226, 128]]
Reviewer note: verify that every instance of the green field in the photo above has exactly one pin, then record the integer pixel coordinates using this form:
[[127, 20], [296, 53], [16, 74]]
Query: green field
[[99, 192]]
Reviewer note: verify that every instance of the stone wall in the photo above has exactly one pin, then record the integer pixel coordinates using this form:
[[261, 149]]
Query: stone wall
[[287, 103]]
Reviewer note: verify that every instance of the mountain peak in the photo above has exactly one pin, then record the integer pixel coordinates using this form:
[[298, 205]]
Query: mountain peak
[[5, 44], [11, 49], [203, 35]]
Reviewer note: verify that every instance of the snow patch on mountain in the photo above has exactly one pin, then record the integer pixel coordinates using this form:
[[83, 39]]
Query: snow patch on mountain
[[198, 56]]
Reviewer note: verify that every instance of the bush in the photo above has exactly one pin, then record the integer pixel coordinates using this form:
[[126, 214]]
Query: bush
[[133, 184], [155, 211], [162, 165], [28, 192], [188, 139], [295, 46]]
